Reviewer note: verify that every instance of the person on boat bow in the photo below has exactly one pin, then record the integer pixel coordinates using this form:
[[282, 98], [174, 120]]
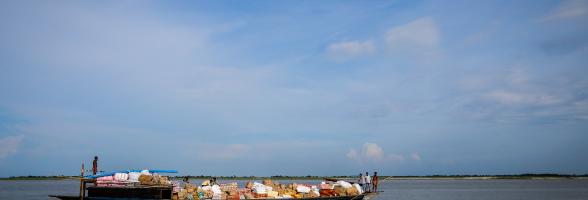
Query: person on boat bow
[[95, 166]]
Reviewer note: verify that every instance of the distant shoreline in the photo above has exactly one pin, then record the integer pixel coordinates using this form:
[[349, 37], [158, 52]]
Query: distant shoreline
[[431, 177]]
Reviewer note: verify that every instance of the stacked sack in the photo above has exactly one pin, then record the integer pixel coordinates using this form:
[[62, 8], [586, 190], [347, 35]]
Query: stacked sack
[[232, 190], [307, 191], [117, 180], [132, 178], [145, 178], [278, 191], [186, 192], [259, 190], [267, 189], [217, 193], [340, 188]]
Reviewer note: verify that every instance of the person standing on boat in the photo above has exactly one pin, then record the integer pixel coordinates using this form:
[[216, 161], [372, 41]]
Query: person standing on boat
[[375, 182], [95, 166], [361, 181], [368, 181]]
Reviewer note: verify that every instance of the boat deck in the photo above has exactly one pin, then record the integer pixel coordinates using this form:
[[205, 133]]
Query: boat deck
[[366, 196]]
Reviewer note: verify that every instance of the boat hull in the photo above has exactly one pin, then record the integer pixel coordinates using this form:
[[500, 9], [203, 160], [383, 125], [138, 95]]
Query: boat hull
[[366, 196], [150, 192]]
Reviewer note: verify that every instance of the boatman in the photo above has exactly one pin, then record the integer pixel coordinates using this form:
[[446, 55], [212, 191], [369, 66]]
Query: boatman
[[368, 181], [95, 165], [375, 182]]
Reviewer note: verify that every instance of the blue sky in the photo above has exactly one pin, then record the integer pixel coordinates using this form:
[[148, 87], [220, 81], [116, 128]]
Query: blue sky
[[295, 87]]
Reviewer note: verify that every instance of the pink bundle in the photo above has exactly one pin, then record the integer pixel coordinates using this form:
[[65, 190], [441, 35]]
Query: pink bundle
[[105, 178], [106, 181]]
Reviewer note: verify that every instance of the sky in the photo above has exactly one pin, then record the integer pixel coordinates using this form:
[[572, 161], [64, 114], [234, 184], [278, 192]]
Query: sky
[[294, 87]]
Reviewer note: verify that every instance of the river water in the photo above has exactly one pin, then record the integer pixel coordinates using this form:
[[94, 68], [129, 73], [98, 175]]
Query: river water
[[393, 189]]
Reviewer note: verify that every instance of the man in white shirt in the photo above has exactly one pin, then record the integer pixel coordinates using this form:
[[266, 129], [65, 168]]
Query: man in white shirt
[[362, 181], [368, 182]]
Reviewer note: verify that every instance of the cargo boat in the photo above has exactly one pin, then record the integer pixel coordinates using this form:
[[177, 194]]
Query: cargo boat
[[97, 191], [165, 192], [365, 196]]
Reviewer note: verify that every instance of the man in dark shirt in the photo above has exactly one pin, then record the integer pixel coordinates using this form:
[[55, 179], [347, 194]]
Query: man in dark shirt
[[375, 182], [95, 166]]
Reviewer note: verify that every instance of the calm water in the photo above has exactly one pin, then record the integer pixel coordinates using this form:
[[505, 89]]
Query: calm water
[[397, 189]]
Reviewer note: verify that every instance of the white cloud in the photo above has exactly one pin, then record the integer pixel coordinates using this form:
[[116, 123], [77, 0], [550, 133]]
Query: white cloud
[[350, 49], [415, 156], [517, 98], [352, 154], [372, 152], [414, 36], [9, 145], [568, 10]]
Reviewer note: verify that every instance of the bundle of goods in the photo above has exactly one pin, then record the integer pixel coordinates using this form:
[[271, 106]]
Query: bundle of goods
[[132, 179], [267, 189], [217, 193], [231, 189], [206, 191], [117, 180], [188, 191], [273, 190], [153, 179], [260, 190], [108, 181]]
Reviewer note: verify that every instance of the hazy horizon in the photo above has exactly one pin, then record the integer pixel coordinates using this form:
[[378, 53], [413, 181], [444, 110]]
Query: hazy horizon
[[294, 88]]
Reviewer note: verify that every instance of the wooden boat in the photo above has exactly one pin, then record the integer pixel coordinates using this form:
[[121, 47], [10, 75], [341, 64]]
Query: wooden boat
[[365, 196], [163, 192], [141, 192]]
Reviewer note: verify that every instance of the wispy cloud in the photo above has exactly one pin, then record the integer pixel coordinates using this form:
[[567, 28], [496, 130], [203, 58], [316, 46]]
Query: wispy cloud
[[415, 156], [350, 49], [518, 98], [416, 36], [521, 95], [9, 145], [568, 9]]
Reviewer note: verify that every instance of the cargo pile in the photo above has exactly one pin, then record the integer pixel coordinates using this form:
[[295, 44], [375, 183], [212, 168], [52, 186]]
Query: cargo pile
[[266, 189], [143, 178], [205, 191]]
